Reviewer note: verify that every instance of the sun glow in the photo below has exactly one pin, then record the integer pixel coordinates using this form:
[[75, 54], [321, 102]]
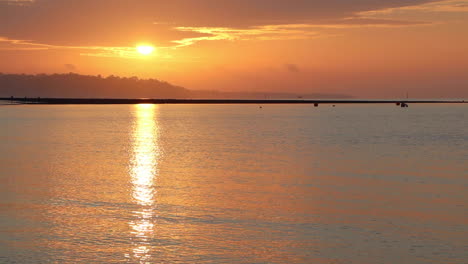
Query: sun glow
[[145, 49], [144, 172]]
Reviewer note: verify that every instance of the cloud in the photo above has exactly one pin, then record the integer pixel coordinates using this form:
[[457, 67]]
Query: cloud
[[260, 33], [213, 13], [437, 6], [293, 68], [97, 51], [108, 27], [16, 44], [70, 67], [17, 2], [286, 31], [270, 32]]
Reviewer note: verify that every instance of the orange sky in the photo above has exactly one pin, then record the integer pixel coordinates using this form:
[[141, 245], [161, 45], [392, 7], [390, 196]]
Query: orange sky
[[365, 48]]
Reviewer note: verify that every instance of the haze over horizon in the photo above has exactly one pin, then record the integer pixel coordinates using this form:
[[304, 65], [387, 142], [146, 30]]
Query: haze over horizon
[[363, 48], [73, 85]]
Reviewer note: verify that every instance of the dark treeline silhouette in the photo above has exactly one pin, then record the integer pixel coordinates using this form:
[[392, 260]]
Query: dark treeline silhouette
[[85, 86], [73, 85]]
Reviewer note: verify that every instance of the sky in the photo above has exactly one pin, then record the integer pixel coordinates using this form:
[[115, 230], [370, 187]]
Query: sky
[[363, 48]]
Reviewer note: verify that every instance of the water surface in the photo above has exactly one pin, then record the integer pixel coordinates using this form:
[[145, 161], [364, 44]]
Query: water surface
[[233, 184]]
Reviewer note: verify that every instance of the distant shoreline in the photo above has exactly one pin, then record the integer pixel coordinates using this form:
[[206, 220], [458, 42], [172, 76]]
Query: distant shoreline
[[95, 101], [74, 85]]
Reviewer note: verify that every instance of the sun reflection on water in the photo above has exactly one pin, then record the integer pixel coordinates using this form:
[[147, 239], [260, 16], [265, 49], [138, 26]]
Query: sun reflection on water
[[143, 171]]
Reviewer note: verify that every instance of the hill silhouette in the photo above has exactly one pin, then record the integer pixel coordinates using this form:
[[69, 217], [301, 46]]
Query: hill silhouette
[[73, 85], [85, 86]]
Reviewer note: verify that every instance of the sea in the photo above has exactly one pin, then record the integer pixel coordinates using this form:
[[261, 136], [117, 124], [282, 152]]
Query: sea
[[364, 184]]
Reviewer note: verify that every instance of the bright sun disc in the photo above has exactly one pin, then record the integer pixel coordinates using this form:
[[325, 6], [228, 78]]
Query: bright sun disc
[[145, 50]]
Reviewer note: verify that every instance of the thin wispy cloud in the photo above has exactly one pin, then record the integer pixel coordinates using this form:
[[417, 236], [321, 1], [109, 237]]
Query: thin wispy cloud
[[17, 2], [97, 51], [286, 31], [311, 30], [272, 32], [438, 6]]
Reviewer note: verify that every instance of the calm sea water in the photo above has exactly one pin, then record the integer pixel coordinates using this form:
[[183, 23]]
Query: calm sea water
[[233, 184]]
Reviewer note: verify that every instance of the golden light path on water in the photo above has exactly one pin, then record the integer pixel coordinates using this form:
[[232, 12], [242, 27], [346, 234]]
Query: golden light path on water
[[143, 171]]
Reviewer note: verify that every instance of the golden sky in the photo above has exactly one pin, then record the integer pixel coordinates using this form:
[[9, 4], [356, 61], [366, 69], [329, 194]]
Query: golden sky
[[365, 48]]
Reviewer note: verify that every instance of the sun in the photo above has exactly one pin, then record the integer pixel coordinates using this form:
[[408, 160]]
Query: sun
[[145, 49]]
